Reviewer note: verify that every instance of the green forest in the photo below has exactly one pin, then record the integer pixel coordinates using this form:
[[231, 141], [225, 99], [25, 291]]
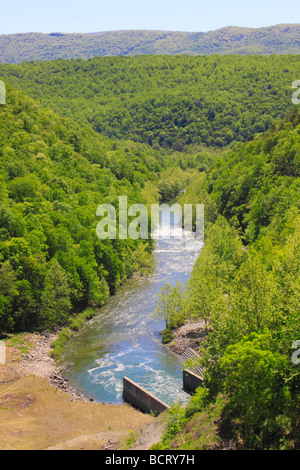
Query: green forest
[[54, 175], [76, 134], [165, 102], [245, 285]]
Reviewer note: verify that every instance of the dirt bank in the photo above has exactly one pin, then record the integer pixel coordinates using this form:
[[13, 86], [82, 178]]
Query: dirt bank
[[39, 411]]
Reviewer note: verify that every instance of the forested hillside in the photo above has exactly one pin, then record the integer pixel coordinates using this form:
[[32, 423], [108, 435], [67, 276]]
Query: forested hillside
[[53, 177], [278, 39], [246, 286], [166, 102]]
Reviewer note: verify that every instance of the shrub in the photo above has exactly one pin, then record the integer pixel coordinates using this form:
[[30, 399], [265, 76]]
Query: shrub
[[167, 336]]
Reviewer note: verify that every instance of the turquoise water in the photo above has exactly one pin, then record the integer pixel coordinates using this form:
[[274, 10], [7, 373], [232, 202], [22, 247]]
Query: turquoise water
[[124, 340]]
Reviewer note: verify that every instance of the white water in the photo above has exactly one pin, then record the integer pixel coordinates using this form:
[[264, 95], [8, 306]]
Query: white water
[[124, 340]]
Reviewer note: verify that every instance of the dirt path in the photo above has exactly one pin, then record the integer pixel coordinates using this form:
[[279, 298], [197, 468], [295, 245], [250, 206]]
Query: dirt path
[[151, 435]]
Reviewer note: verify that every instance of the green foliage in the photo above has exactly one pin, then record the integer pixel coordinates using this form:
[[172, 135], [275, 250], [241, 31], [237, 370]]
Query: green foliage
[[53, 176], [170, 306], [75, 323], [167, 336], [245, 284], [171, 182], [59, 343], [197, 403], [130, 440], [163, 101], [252, 292], [174, 423], [8, 290], [267, 400], [213, 271], [56, 298], [263, 396]]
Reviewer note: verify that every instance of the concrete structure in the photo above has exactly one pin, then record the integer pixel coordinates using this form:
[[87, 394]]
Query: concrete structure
[[191, 354], [141, 399], [191, 381]]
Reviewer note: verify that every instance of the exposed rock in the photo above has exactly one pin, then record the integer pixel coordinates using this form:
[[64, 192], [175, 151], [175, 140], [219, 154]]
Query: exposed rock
[[39, 363], [187, 336]]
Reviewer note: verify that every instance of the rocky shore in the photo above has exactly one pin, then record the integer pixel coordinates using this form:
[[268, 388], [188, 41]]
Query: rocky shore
[[190, 335], [39, 363]]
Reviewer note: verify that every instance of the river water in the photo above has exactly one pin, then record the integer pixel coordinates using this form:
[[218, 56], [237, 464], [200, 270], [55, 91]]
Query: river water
[[124, 339]]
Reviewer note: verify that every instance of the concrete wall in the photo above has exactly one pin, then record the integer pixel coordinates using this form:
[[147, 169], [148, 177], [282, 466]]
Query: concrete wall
[[141, 399], [191, 381]]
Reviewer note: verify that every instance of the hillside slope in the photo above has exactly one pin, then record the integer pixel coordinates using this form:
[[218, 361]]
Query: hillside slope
[[277, 39], [53, 177], [164, 101], [246, 285]]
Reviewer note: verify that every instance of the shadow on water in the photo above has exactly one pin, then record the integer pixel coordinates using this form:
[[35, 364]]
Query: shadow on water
[[124, 340]]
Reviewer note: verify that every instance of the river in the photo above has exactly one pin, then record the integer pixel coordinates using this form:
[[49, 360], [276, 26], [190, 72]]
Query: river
[[124, 339]]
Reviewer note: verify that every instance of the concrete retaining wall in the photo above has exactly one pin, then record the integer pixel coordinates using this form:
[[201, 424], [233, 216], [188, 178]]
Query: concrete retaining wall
[[191, 381], [141, 399]]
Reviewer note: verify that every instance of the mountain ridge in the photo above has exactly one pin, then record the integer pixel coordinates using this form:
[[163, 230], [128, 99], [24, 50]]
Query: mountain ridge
[[276, 39]]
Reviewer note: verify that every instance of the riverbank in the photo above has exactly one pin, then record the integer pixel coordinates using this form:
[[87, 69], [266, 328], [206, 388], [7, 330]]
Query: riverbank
[[39, 363], [189, 335], [39, 410]]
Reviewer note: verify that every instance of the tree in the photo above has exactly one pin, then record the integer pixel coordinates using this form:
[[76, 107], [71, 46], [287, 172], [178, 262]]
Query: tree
[[55, 301], [8, 291], [252, 297], [254, 383], [170, 306], [202, 295]]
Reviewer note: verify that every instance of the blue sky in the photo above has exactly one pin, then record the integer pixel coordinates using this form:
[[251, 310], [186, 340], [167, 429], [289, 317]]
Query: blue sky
[[20, 16]]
